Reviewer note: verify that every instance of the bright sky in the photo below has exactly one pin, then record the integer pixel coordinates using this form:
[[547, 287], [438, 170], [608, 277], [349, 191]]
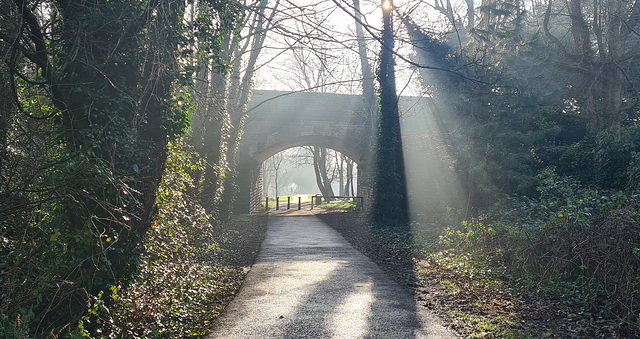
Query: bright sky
[[336, 54], [337, 65]]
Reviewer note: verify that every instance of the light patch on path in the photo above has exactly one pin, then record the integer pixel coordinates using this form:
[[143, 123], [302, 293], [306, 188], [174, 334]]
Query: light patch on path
[[351, 316], [308, 282]]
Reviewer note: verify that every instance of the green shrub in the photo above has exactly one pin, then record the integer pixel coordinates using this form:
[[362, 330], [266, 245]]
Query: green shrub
[[576, 243], [607, 160]]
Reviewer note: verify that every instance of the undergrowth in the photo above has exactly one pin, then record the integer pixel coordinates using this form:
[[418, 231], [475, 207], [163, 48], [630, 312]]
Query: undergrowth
[[565, 264], [184, 281], [60, 281], [577, 245]]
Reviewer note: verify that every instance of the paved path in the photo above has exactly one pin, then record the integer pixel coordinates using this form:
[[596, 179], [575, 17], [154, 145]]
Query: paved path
[[308, 282]]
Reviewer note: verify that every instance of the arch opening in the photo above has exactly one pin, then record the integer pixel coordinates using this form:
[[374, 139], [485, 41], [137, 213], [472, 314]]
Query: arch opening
[[278, 121], [309, 170]]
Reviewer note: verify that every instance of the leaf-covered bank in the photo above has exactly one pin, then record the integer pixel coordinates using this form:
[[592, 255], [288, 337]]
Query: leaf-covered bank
[[479, 295], [182, 298], [188, 268], [191, 266]]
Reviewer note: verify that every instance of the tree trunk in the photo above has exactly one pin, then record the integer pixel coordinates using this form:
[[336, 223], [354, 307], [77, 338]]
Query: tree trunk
[[239, 90], [348, 188], [276, 183], [390, 206], [320, 168], [368, 91], [340, 165], [199, 117], [470, 14], [216, 126]]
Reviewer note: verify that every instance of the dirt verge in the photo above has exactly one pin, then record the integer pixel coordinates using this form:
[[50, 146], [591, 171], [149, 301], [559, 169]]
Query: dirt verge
[[475, 301]]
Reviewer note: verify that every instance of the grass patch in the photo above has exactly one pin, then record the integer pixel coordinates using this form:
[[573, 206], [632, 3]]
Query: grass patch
[[339, 205]]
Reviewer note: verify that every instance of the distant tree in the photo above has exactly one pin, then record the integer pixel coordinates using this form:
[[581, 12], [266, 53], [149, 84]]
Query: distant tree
[[344, 169], [275, 163], [349, 187], [325, 173], [267, 177], [603, 53]]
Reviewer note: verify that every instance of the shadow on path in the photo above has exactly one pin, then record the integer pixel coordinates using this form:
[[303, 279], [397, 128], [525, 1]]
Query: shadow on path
[[308, 282]]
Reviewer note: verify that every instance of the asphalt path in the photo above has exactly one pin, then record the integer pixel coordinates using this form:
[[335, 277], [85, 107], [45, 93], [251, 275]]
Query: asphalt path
[[308, 282]]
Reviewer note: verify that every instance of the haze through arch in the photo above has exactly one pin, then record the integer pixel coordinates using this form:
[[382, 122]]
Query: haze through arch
[[281, 120]]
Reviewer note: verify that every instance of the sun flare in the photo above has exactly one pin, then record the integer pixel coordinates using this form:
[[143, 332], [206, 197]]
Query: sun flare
[[386, 4]]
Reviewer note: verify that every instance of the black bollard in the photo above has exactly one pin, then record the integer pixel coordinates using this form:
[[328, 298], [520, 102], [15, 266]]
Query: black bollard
[[288, 202], [299, 202], [277, 203]]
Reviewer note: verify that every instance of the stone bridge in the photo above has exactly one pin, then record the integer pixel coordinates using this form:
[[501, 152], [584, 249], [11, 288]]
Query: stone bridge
[[280, 120]]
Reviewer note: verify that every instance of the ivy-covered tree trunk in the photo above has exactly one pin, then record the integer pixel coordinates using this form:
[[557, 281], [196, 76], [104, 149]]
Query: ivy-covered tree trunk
[[216, 127], [103, 77], [390, 205], [239, 92]]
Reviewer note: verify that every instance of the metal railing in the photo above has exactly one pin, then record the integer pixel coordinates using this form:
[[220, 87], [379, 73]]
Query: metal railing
[[316, 200]]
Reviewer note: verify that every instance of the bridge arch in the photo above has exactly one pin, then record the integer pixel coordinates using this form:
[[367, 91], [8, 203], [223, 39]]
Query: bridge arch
[[352, 151], [278, 121]]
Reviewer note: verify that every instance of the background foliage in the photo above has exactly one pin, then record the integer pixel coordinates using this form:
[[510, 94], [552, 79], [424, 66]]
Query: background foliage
[[548, 165]]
